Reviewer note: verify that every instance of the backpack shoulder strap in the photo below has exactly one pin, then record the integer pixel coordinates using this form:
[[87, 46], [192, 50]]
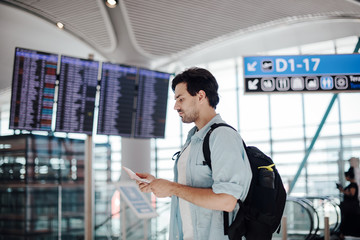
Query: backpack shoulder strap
[[206, 147], [206, 152]]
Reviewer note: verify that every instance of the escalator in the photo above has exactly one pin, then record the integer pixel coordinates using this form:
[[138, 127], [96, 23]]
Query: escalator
[[305, 217]]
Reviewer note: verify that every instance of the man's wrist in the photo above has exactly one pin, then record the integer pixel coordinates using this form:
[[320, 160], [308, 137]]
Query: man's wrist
[[176, 189]]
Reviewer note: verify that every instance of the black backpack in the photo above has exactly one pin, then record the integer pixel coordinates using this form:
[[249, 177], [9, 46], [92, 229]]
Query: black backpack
[[260, 214]]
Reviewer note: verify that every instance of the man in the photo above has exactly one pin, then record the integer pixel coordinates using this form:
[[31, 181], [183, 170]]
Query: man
[[199, 194]]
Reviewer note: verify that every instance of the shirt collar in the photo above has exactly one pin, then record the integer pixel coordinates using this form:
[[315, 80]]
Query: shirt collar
[[202, 132]]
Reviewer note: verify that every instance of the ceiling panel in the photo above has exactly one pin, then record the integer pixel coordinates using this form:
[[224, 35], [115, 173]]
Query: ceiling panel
[[86, 19], [166, 27], [146, 31]]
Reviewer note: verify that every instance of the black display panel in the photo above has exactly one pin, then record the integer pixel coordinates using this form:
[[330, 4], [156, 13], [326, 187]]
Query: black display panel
[[77, 90], [151, 104], [117, 96], [33, 90]]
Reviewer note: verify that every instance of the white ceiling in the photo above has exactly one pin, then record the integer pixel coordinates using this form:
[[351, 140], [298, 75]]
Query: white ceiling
[[163, 33]]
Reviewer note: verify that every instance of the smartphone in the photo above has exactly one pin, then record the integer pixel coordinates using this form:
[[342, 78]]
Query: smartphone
[[133, 176], [338, 185]]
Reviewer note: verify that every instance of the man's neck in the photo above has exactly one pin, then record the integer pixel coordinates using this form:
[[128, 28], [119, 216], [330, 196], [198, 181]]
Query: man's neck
[[205, 118]]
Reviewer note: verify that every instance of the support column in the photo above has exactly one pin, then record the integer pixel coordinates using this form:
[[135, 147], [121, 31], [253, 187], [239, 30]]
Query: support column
[[136, 155], [284, 228], [326, 228], [89, 209]]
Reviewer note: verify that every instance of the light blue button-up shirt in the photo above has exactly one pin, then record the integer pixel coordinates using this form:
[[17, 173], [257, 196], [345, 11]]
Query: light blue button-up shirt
[[231, 174]]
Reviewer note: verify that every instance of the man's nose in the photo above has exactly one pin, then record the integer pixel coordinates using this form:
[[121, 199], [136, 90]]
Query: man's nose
[[176, 107]]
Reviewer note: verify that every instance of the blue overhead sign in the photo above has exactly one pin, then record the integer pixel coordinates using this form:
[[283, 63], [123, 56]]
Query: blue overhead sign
[[299, 73]]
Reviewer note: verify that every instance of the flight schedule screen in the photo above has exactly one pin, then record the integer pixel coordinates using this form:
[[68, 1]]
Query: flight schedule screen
[[33, 90], [117, 92], [151, 104], [77, 91], [132, 101]]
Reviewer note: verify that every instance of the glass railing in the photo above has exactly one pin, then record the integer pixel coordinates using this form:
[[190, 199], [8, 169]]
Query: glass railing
[[43, 211], [56, 211]]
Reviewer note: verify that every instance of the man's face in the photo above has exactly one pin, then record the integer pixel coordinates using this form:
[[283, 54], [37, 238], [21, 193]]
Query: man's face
[[185, 104]]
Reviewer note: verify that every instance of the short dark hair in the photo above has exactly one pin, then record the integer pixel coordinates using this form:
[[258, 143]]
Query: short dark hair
[[350, 173], [197, 79]]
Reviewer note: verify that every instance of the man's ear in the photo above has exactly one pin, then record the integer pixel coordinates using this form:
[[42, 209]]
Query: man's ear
[[201, 95]]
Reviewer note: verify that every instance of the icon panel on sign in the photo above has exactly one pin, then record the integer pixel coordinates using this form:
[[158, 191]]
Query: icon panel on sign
[[253, 84], [326, 83], [268, 84], [267, 65], [297, 83], [251, 67], [341, 82], [282, 83], [312, 83]]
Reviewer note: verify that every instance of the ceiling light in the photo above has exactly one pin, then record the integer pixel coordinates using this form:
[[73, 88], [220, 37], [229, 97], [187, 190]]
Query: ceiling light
[[111, 3], [60, 25]]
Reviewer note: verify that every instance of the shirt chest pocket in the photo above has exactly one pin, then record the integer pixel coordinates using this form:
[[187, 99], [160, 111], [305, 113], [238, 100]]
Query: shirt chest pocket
[[201, 174], [197, 155]]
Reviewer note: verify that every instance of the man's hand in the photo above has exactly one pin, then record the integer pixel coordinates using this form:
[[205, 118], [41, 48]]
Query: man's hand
[[203, 197], [162, 188], [145, 187]]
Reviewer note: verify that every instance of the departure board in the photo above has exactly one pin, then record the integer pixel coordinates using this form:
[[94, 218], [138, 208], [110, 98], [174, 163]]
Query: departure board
[[77, 90], [33, 90], [151, 104], [117, 96]]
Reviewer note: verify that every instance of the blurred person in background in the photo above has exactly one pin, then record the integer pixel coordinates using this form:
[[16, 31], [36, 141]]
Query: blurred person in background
[[350, 208]]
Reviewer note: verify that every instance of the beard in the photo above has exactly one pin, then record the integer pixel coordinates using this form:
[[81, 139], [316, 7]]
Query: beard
[[190, 116]]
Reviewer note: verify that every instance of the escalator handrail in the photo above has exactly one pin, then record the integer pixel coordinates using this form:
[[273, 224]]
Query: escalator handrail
[[336, 206], [304, 206], [310, 205]]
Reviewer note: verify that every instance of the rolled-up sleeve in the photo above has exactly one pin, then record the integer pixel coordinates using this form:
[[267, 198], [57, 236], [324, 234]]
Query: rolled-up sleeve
[[231, 170]]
